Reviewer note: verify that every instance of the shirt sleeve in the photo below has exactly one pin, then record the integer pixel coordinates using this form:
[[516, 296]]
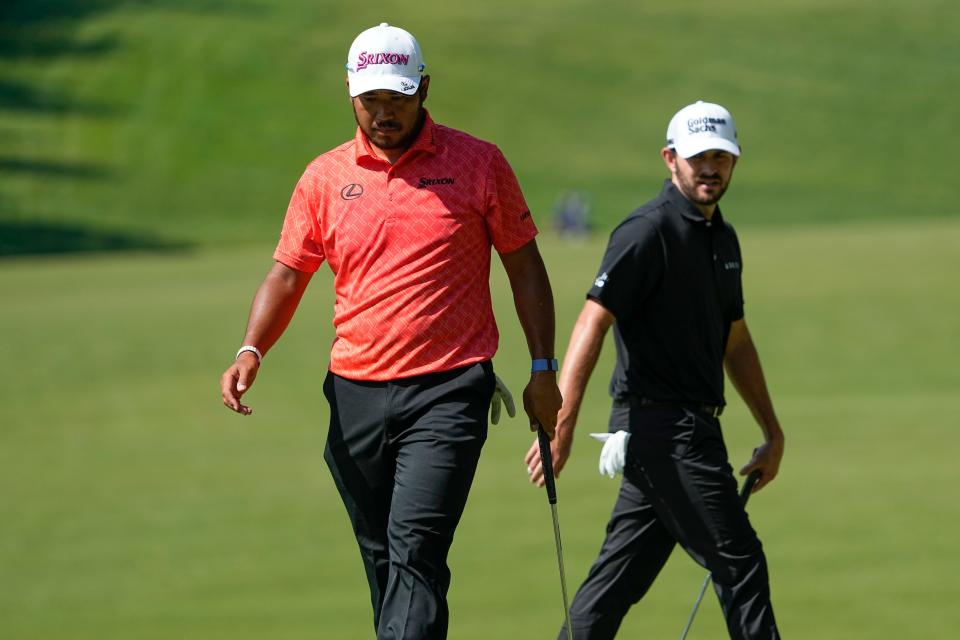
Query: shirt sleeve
[[631, 268], [301, 242], [508, 218]]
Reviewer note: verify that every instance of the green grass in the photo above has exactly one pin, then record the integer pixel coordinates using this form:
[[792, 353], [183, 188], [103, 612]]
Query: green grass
[[135, 505], [191, 121]]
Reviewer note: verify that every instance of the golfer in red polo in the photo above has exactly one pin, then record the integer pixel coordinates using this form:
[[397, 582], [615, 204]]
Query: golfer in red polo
[[405, 214]]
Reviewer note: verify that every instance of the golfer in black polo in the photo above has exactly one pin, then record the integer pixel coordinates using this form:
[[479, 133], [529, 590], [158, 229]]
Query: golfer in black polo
[[670, 286]]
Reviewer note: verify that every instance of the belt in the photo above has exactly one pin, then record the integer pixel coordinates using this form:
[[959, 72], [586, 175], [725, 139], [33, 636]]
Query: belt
[[712, 410]]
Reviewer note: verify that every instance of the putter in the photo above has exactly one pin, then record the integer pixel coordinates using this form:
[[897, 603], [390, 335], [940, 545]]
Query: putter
[[744, 496], [546, 460]]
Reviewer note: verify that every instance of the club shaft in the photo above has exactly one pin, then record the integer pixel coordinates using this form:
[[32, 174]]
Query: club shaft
[[546, 461], [563, 573], [696, 605]]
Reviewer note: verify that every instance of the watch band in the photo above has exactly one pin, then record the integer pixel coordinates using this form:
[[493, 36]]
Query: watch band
[[252, 349], [544, 364]]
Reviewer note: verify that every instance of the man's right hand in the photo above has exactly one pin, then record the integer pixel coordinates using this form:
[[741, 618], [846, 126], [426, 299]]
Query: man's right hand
[[560, 448], [236, 380]]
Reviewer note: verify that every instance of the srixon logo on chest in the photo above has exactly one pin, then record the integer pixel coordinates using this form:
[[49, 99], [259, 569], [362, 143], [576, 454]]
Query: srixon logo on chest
[[429, 182]]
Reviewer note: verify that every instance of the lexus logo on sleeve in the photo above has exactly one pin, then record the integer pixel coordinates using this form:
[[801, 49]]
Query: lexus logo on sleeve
[[351, 191]]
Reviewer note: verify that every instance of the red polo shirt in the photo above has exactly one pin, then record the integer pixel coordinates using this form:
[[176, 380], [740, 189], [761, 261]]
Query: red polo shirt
[[409, 246]]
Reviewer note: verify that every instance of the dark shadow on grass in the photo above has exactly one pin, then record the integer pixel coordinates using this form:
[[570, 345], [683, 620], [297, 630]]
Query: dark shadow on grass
[[46, 238], [19, 96], [50, 169], [42, 31], [26, 43], [60, 13], [51, 12]]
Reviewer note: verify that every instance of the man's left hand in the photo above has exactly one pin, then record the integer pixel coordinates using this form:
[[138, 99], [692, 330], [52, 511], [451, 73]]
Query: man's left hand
[[766, 459], [542, 401]]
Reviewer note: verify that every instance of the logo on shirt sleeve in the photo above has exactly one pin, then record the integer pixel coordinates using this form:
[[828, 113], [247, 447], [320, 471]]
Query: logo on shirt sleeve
[[351, 191], [602, 280]]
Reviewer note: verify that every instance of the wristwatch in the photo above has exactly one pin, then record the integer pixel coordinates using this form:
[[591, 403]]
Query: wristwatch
[[544, 364]]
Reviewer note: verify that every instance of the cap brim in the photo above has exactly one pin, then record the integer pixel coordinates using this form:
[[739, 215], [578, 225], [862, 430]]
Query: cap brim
[[363, 82], [689, 148]]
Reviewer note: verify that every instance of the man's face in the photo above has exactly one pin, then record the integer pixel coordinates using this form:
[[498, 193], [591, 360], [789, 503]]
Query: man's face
[[388, 118], [703, 178]]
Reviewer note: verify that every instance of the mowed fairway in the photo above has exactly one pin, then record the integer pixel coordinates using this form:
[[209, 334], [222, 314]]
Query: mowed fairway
[[135, 506], [190, 120]]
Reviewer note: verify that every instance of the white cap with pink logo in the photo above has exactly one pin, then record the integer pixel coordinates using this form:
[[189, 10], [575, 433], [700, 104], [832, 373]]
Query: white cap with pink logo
[[384, 57], [702, 126]]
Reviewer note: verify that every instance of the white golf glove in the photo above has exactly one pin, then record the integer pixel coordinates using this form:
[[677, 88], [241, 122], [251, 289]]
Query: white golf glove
[[613, 456], [501, 394]]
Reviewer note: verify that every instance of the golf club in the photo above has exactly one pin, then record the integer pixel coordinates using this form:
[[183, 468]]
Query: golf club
[[744, 496], [546, 460]]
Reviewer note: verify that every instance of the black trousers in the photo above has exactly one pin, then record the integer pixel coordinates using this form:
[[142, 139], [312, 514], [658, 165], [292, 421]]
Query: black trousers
[[678, 487], [403, 455]]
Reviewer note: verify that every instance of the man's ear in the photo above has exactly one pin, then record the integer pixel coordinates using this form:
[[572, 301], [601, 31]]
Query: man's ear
[[669, 158], [424, 88]]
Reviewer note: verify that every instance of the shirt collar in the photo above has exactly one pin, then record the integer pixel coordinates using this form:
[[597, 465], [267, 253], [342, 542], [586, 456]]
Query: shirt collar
[[687, 209], [425, 141]]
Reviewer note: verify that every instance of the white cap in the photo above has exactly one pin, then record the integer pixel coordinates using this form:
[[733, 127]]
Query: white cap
[[701, 126], [384, 57]]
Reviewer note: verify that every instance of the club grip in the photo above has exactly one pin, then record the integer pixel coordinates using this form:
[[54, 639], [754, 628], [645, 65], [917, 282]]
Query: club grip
[[546, 460], [748, 484]]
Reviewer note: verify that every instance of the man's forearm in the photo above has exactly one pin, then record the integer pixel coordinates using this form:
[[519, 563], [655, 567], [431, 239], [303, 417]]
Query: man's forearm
[[534, 302], [533, 299], [274, 305], [743, 367], [586, 342]]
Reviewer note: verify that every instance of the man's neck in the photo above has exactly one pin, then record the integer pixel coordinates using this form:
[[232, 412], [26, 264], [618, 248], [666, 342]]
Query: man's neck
[[706, 210], [390, 155]]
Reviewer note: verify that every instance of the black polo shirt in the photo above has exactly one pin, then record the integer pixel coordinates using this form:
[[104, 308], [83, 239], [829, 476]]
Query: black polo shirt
[[672, 279]]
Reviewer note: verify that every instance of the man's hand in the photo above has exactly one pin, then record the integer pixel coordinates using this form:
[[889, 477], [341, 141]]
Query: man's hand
[[766, 459], [236, 380], [542, 401], [501, 395], [560, 448]]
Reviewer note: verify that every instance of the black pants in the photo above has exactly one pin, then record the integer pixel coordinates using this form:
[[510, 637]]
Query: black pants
[[403, 455], [678, 487]]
